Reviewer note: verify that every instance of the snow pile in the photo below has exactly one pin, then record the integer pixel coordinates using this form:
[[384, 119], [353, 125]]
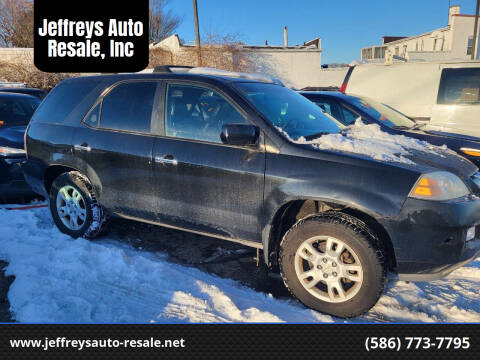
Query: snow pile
[[371, 141], [59, 279]]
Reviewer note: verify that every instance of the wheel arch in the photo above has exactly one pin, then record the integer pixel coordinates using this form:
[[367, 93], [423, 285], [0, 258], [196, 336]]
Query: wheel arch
[[293, 211], [54, 170]]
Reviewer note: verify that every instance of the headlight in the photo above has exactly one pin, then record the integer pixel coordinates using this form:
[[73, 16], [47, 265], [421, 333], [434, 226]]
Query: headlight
[[6, 151], [471, 151], [439, 185]]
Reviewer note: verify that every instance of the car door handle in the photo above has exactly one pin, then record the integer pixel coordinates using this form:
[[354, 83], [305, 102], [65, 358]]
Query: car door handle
[[167, 160], [83, 147]]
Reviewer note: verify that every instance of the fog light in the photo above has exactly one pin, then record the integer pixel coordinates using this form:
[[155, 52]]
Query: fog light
[[470, 233]]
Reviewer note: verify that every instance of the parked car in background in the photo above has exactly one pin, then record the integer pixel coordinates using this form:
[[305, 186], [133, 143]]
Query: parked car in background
[[15, 113], [242, 158], [347, 108], [39, 93], [446, 96]]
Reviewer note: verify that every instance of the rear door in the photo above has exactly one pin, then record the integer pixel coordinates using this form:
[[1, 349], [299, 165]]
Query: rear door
[[116, 144], [202, 184]]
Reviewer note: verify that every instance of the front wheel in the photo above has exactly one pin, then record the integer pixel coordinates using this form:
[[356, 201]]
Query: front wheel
[[332, 263], [74, 206]]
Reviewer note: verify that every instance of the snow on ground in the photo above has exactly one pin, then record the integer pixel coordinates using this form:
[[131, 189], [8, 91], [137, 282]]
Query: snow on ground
[[59, 279], [371, 141]]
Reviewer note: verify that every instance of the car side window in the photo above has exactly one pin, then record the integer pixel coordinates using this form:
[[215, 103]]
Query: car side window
[[459, 86], [128, 106], [198, 113], [17, 110], [332, 108], [324, 105], [349, 117]]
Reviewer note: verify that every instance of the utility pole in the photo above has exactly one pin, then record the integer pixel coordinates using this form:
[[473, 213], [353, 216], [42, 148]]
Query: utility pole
[[475, 33], [197, 32], [448, 18]]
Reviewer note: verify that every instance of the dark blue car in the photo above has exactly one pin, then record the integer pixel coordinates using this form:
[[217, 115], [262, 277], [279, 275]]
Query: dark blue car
[[15, 113], [347, 108]]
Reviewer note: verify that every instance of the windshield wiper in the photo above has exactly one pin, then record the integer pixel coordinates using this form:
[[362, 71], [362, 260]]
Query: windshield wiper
[[402, 127], [316, 135]]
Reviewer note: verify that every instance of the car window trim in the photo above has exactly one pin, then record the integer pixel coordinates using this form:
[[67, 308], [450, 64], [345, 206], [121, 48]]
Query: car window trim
[[356, 112], [334, 102], [221, 93], [107, 91], [89, 112], [258, 147]]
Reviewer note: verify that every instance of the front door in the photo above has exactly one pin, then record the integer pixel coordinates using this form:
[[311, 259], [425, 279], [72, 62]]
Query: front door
[[200, 183]]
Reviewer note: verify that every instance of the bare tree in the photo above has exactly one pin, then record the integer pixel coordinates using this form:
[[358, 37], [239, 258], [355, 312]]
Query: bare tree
[[218, 51], [163, 22], [16, 23]]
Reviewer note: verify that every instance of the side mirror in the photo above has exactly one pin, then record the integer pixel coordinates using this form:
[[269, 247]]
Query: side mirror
[[240, 134]]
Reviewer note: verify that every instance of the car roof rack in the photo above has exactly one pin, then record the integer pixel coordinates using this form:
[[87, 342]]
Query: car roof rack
[[171, 68], [238, 75], [320, 88], [216, 72]]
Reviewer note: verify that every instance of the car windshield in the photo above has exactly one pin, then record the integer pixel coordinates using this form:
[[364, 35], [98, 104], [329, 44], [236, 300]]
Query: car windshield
[[289, 111], [16, 111], [383, 113]]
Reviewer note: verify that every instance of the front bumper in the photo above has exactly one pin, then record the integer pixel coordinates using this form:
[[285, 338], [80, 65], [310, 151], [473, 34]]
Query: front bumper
[[429, 237], [470, 253]]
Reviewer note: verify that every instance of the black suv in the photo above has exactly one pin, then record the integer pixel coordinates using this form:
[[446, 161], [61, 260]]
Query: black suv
[[234, 156]]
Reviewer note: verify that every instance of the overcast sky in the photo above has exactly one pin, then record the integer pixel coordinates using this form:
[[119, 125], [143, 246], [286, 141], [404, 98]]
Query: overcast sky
[[345, 26]]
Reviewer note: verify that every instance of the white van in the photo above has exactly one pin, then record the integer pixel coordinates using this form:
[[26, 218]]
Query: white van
[[444, 95]]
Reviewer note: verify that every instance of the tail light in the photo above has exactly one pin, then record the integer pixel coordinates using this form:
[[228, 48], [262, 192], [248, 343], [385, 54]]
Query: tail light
[[343, 88]]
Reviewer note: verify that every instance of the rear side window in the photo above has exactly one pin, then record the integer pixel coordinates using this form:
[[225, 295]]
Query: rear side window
[[129, 107], [63, 99], [459, 86], [16, 111]]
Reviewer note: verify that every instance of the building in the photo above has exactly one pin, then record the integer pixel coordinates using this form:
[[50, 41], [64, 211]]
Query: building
[[16, 55], [294, 65], [453, 42]]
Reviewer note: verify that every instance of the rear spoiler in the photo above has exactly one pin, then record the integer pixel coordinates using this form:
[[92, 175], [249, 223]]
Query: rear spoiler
[[343, 88]]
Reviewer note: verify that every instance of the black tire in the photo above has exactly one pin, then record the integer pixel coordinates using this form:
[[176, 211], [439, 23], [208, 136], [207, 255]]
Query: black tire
[[95, 215], [359, 238]]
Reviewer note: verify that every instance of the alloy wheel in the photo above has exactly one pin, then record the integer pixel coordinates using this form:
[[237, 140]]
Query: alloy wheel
[[328, 269], [71, 207]]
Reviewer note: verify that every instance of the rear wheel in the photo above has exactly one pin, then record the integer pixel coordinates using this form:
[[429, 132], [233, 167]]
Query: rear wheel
[[332, 263], [74, 206]]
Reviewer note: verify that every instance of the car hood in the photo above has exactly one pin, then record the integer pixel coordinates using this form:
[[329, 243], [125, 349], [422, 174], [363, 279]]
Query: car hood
[[442, 159], [452, 135], [369, 141], [439, 137], [12, 136]]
